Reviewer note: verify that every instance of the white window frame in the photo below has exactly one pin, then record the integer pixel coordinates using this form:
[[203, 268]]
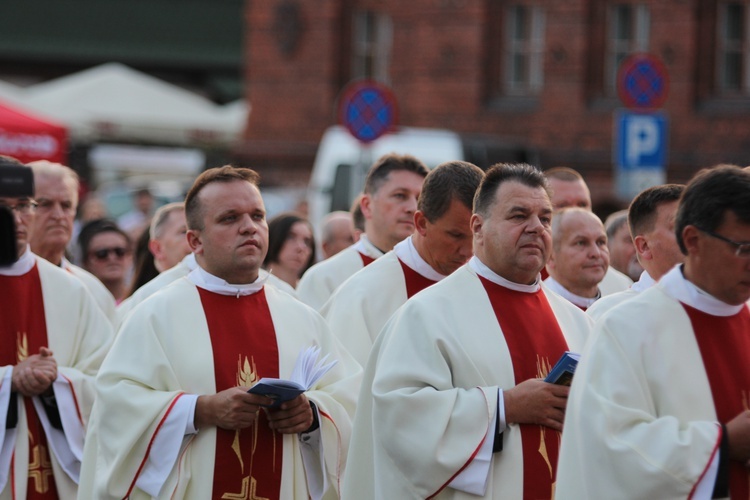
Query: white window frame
[[619, 48], [372, 39], [532, 48], [723, 46]]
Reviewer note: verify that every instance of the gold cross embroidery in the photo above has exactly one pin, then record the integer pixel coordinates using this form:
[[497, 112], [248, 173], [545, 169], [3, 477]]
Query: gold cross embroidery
[[249, 486], [40, 469]]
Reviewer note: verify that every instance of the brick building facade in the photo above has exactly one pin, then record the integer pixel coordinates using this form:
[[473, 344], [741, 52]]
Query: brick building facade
[[540, 73]]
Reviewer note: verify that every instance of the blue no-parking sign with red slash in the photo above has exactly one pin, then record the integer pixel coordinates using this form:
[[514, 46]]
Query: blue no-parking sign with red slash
[[368, 110]]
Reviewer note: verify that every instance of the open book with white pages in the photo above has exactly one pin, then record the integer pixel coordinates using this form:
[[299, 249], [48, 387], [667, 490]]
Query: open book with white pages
[[307, 371]]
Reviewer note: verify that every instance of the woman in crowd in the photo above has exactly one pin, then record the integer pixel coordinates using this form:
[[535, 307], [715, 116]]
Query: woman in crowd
[[107, 254], [291, 247]]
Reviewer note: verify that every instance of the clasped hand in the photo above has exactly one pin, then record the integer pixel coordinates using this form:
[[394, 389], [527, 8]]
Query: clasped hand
[[35, 374]]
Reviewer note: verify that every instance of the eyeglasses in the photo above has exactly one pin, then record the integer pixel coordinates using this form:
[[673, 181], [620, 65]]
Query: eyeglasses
[[742, 248], [22, 207], [103, 253], [46, 205]]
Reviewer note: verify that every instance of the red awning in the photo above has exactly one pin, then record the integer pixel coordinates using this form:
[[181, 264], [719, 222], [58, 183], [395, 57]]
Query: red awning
[[28, 138]]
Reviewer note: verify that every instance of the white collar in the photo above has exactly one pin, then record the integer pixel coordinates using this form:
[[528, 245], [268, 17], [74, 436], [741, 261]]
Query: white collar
[[485, 272], [65, 263], [584, 302], [22, 266], [644, 282], [203, 279], [407, 253], [365, 246], [679, 288], [189, 261]]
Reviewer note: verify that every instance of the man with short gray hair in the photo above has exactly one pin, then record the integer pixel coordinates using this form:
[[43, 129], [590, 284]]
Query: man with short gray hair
[[57, 200], [168, 240]]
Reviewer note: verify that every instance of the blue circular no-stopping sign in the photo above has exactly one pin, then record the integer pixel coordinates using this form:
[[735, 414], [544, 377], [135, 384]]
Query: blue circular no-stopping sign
[[642, 82], [368, 110]]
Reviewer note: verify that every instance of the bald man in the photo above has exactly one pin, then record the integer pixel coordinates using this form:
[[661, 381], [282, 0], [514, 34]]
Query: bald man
[[580, 256], [337, 233], [570, 190]]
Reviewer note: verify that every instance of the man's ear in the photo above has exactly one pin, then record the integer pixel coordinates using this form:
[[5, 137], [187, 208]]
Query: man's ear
[[195, 241], [365, 203], [691, 239], [642, 247], [476, 223], [420, 222], [154, 246]]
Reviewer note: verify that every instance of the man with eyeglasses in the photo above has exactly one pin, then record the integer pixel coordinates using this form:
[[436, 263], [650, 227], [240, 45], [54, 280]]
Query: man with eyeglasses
[[54, 338], [659, 403], [56, 194]]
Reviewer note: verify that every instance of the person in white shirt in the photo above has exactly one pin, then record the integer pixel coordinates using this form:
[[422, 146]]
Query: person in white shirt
[[659, 402], [388, 205], [580, 256], [570, 190], [56, 194], [441, 243], [173, 418], [622, 255], [651, 221], [452, 405], [167, 240]]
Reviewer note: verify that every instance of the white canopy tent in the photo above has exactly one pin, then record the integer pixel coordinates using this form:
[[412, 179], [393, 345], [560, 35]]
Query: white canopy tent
[[114, 102]]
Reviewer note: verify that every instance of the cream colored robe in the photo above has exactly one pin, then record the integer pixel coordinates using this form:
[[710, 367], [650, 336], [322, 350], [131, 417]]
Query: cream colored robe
[[79, 335], [160, 281], [164, 350], [361, 306], [321, 280], [614, 281], [430, 392], [604, 304], [640, 421], [102, 296]]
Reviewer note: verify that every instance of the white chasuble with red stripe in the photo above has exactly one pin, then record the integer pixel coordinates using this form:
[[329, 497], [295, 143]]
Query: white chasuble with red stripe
[[724, 342], [248, 461], [22, 334], [535, 342]]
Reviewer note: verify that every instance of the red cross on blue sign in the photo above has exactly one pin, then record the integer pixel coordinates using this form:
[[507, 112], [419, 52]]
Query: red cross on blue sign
[[642, 82], [368, 110]]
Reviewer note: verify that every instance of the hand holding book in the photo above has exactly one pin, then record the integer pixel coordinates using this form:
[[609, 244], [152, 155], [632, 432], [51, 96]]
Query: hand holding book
[[307, 371], [562, 372]]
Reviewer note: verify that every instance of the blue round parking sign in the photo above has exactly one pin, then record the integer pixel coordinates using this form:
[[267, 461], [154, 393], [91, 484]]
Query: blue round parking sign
[[642, 82], [368, 110]]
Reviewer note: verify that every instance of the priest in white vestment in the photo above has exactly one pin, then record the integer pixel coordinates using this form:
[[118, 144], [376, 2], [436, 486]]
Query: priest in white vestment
[[173, 418], [651, 223], [659, 403], [441, 243], [388, 204], [580, 256], [452, 405], [56, 194], [569, 189], [54, 338]]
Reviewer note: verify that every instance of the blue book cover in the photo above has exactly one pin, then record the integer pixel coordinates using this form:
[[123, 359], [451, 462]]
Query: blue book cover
[[562, 372]]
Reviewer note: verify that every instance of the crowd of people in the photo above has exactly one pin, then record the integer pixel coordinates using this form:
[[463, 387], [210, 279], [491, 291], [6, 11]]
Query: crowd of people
[[443, 300]]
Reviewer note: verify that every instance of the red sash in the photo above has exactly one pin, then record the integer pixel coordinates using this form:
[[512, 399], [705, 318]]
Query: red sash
[[23, 332], [248, 462], [366, 259], [535, 342], [415, 282], [724, 342]]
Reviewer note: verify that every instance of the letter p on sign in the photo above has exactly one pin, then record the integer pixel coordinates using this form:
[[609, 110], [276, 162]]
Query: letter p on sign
[[641, 140]]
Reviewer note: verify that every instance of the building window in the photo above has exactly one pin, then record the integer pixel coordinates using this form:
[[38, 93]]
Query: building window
[[732, 49], [371, 46], [628, 33], [523, 73]]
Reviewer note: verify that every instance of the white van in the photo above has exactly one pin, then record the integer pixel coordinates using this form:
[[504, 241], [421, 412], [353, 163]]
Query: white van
[[342, 162]]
